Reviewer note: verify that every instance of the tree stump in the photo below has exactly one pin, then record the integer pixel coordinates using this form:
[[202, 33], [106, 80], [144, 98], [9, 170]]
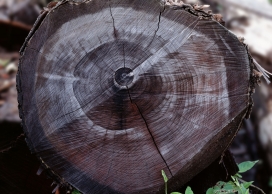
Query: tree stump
[[111, 92]]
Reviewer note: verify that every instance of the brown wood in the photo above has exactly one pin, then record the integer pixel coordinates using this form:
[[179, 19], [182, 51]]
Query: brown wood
[[113, 92]]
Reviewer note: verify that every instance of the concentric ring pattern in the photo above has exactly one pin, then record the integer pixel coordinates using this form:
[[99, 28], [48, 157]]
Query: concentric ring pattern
[[115, 91]]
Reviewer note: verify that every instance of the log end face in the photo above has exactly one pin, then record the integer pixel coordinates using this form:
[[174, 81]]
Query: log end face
[[116, 110]]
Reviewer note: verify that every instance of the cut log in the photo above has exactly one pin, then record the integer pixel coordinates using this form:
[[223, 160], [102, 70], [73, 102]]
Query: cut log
[[112, 92]]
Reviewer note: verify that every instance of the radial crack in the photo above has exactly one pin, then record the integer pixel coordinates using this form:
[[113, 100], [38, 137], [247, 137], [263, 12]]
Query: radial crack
[[155, 33], [113, 22], [124, 56], [150, 133]]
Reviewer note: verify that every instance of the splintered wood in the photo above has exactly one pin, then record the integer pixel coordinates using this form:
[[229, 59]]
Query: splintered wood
[[113, 92]]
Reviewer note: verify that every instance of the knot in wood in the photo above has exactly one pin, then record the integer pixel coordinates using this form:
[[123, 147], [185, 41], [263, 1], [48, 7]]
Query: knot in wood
[[124, 76]]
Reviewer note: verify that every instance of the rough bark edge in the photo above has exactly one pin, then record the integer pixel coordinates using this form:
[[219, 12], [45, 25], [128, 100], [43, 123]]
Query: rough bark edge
[[229, 131], [44, 166], [201, 14]]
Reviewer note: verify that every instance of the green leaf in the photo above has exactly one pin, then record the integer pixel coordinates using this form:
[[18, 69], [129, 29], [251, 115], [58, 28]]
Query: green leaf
[[220, 183], [175, 193], [247, 184], [225, 188], [210, 191], [75, 192], [235, 181], [189, 190], [245, 166], [230, 186], [218, 186], [164, 176], [244, 190], [238, 175]]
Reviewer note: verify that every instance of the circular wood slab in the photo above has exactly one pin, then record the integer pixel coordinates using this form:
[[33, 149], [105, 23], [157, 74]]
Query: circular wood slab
[[112, 92]]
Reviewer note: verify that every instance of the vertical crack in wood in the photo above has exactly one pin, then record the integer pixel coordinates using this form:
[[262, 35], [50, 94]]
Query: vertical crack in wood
[[113, 22], [155, 33], [150, 133], [124, 56]]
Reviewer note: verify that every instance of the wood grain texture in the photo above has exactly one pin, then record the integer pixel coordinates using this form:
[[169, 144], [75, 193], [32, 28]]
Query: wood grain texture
[[112, 92]]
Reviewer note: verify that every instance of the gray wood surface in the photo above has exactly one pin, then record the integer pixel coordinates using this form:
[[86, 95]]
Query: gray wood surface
[[113, 92]]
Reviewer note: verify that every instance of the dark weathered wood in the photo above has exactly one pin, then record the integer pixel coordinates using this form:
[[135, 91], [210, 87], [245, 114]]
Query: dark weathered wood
[[113, 92]]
